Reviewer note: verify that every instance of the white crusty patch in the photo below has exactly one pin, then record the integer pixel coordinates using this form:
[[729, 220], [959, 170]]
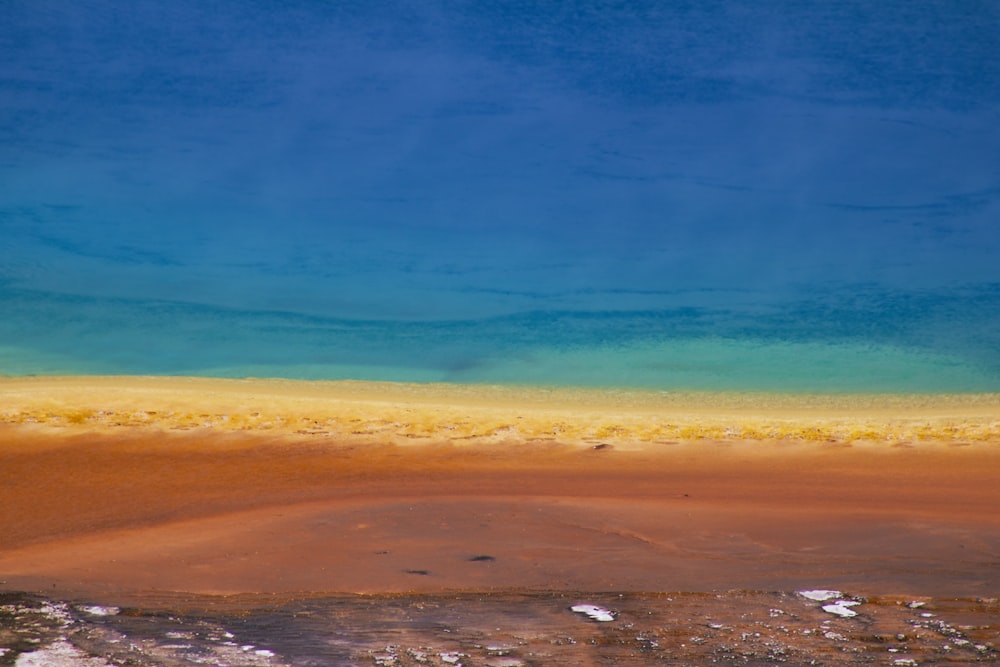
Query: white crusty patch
[[820, 595], [594, 612], [842, 608]]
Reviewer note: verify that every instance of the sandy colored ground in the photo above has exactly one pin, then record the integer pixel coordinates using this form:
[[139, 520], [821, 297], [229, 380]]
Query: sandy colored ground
[[111, 485]]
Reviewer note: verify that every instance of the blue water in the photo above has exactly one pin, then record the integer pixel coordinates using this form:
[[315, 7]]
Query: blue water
[[736, 195]]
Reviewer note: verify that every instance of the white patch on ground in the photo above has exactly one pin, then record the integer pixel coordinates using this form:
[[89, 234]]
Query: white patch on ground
[[820, 595], [59, 654], [500, 649], [57, 611], [594, 612], [842, 608], [504, 662], [235, 656], [97, 610]]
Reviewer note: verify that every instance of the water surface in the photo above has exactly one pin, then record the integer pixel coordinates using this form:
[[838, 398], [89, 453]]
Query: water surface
[[723, 196]]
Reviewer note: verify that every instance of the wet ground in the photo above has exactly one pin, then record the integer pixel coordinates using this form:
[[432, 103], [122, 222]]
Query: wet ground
[[500, 630]]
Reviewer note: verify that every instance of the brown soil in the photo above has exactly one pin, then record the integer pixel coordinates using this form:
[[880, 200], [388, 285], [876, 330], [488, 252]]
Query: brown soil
[[135, 509]]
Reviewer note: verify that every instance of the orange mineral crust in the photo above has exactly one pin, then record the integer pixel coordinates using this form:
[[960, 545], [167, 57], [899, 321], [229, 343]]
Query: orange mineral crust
[[111, 485]]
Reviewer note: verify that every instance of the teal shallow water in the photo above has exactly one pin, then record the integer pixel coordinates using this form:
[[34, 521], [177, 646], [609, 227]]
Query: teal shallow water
[[929, 343]]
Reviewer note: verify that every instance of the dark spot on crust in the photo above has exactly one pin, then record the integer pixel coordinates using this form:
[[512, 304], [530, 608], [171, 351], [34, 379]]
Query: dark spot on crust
[[482, 559], [422, 573]]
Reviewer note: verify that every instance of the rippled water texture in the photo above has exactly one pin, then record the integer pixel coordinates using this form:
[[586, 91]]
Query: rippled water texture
[[698, 196]]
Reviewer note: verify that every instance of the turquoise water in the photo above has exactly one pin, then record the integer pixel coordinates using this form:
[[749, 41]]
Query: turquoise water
[[932, 343], [736, 195]]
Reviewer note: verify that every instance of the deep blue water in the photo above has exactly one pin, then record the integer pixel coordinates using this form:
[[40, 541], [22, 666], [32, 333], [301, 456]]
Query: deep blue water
[[730, 195]]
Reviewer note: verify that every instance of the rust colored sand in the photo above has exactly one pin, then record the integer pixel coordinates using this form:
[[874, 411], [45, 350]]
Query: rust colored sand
[[225, 486], [208, 512]]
